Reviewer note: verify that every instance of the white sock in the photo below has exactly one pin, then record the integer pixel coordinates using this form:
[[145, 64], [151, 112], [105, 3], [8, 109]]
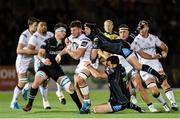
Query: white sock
[[43, 92], [59, 91], [85, 92], [27, 86], [17, 91], [170, 96], [161, 99]]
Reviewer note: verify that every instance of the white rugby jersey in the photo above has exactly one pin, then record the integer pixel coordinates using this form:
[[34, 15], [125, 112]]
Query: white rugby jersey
[[37, 40], [82, 42], [24, 39], [148, 45]]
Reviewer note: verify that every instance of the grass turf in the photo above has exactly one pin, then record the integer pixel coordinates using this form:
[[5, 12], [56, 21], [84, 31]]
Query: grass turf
[[70, 111]]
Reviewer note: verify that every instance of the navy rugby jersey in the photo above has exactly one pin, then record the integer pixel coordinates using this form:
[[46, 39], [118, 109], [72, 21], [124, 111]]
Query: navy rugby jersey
[[52, 48]]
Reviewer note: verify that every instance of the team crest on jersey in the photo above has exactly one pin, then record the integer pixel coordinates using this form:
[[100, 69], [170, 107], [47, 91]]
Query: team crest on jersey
[[84, 43], [74, 46]]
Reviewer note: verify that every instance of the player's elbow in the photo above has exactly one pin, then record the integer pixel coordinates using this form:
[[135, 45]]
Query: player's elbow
[[77, 57]]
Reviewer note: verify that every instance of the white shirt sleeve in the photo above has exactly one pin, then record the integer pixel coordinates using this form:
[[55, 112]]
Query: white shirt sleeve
[[157, 41], [22, 39], [135, 45], [32, 40], [83, 43]]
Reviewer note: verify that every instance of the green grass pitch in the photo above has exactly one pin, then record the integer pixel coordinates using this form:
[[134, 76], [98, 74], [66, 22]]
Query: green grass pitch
[[70, 111]]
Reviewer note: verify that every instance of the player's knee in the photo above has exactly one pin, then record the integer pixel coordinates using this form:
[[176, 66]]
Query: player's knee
[[151, 85], [139, 87], [66, 84], [81, 79], [22, 82]]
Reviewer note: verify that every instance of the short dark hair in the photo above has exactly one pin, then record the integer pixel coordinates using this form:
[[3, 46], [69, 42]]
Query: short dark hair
[[31, 20], [141, 24], [124, 26], [75, 23], [60, 25], [113, 59]]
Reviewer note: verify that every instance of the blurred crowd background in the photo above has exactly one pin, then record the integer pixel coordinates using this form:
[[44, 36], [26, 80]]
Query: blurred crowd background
[[163, 16]]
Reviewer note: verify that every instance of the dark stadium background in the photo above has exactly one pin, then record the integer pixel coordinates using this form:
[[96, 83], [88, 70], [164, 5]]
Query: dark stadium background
[[163, 16]]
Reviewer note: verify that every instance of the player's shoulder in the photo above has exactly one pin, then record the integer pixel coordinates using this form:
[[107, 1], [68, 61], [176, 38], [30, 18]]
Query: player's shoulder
[[26, 33], [83, 37], [138, 37], [153, 36], [51, 34], [36, 34]]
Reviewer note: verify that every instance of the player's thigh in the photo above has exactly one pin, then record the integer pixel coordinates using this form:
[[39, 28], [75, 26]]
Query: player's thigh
[[40, 77], [132, 59]]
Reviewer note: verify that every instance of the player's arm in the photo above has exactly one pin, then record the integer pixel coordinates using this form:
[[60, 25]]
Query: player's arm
[[164, 49], [41, 55], [148, 56], [96, 73], [103, 54], [77, 53], [94, 54], [24, 50]]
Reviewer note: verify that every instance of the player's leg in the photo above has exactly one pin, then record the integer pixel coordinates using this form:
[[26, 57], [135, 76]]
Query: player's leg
[[40, 76], [30, 76], [22, 80], [169, 93], [67, 85], [151, 84], [132, 59], [84, 88], [103, 108], [60, 94], [77, 88], [25, 90], [132, 93], [44, 92], [136, 79]]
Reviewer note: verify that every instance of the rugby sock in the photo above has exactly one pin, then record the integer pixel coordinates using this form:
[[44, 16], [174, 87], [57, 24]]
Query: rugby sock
[[170, 96], [85, 91], [17, 91], [149, 104], [133, 106], [150, 70], [33, 93], [76, 99], [159, 98], [44, 91], [27, 86], [59, 91]]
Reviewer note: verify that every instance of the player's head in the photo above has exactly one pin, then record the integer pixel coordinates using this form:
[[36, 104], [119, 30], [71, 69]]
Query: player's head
[[108, 26], [32, 23], [76, 28], [123, 31], [143, 27], [89, 28], [60, 31], [112, 61], [42, 27]]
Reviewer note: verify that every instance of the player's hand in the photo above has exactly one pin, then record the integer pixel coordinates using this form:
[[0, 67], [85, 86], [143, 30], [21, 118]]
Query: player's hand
[[58, 58], [164, 54], [68, 47], [156, 56], [86, 64], [46, 61]]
